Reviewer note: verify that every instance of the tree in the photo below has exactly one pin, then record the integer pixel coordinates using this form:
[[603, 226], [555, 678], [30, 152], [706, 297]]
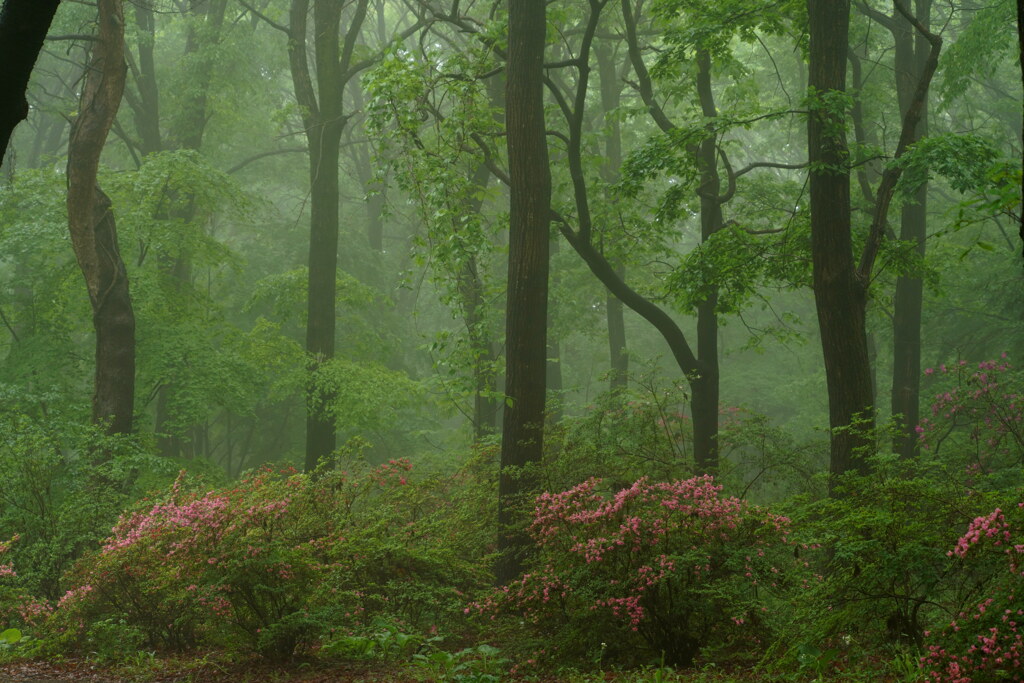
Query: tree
[[23, 27], [92, 226], [840, 284], [840, 297], [911, 54], [185, 130], [526, 309], [1020, 55]]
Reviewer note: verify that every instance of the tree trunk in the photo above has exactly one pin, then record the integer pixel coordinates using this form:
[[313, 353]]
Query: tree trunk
[[840, 296], [526, 315], [92, 227], [703, 380], [705, 387], [323, 113], [325, 139], [611, 93], [1020, 52], [553, 372], [23, 27], [911, 54]]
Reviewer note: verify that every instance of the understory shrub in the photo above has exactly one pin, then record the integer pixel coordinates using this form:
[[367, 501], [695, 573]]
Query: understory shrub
[[888, 576], [985, 642], [277, 562], [63, 485], [654, 572], [885, 573], [642, 430]]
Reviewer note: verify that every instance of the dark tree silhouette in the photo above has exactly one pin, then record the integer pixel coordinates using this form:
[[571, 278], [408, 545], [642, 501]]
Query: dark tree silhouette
[[840, 297], [23, 27], [526, 317]]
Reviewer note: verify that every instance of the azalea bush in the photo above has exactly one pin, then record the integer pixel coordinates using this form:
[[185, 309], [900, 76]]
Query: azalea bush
[[17, 606], [977, 418], [64, 484], [985, 640], [654, 572], [278, 562]]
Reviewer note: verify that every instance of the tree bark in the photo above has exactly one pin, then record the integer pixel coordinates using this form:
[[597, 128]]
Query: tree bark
[[526, 315], [92, 227], [23, 27], [911, 54], [705, 386], [840, 297]]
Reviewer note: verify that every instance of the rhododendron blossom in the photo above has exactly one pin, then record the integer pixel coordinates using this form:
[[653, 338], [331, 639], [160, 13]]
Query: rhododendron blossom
[[655, 557], [986, 642]]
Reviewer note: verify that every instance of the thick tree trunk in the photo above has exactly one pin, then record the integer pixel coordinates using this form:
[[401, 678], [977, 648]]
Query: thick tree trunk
[[526, 316], [840, 296], [23, 27], [912, 51], [92, 228]]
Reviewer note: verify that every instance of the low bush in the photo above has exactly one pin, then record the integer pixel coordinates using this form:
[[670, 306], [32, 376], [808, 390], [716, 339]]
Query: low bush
[[985, 642], [277, 562], [656, 572]]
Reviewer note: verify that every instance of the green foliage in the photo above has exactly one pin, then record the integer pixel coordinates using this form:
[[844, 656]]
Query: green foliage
[[165, 205], [362, 397], [691, 24], [387, 641], [984, 43], [623, 436], [278, 562], [42, 297], [886, 575], [735, 266], [479, 664], [657, 569], [112, 640], [966, 161], [64, 486]]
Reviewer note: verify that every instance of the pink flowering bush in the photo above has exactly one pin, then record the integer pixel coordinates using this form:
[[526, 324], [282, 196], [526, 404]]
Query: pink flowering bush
[[977, 414], [985, 641], [17, 607], [279, 562], [657, 569]]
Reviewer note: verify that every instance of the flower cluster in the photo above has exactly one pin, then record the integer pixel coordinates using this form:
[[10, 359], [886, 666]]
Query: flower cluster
[[983, 404], [667, 565], [273, 562], [986, 640]]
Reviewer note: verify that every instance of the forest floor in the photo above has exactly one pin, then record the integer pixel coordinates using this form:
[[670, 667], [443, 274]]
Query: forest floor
[[208, 670], [220, 667]]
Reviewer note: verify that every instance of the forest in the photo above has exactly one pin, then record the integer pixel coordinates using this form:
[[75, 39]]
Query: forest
[[538, 340]]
